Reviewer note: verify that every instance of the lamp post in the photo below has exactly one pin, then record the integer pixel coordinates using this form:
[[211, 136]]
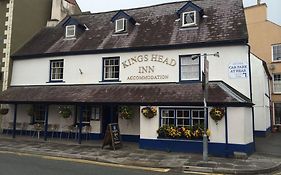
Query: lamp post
[[205, 79]]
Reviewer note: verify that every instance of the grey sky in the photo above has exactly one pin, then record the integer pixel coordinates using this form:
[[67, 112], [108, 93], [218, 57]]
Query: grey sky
[[274, 6]]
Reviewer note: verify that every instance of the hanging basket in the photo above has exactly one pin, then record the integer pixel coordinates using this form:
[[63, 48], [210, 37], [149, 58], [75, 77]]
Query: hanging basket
[[4, 111], [217, 114], [65, 111], [149, 112], [125, 112]]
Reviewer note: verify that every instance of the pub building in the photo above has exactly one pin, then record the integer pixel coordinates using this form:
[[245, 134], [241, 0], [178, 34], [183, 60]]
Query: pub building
[[142, 68]]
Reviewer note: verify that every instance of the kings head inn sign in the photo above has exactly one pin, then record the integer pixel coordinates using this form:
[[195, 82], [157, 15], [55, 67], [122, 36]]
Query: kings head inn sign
[[148, 67]]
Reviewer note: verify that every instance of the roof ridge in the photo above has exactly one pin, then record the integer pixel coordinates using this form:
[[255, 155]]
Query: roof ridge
[[134, 8]]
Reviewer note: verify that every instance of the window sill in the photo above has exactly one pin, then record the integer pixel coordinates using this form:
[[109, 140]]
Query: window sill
[[58, 81], [110, 81], [83, 124], [190, 81], [69, 38], [120, 33], [194, 27]]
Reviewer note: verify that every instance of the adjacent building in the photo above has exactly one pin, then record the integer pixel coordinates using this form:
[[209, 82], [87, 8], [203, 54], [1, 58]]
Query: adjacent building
[[21, 19], [144, 69], [265, 42]]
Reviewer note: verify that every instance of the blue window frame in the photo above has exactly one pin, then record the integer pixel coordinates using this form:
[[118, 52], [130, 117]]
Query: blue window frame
[[56, 70], [182, 117], [190, 67], [111, 69]]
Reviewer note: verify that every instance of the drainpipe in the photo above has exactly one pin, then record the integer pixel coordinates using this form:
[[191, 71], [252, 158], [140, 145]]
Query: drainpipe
[[251, 94], [15, 121]]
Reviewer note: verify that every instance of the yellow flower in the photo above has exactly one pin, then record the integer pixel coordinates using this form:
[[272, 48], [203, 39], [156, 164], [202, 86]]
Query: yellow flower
[[208, 133]]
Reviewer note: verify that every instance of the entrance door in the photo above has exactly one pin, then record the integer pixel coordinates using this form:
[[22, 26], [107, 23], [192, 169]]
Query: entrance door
[[110, 115]]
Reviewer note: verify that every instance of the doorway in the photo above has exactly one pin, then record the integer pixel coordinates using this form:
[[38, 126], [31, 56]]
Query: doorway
[[110, 115]]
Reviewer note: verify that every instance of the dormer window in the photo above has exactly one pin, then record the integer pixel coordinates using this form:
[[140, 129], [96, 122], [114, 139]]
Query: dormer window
[[190, 15], [70, 31], [188, 18], [123, 22], [120, 25]]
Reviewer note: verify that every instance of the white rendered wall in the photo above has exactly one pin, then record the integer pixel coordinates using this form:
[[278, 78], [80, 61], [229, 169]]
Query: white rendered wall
[[148, 127], [36, 71], [217, 130], [239, 124], [261, 93], [130, 126]]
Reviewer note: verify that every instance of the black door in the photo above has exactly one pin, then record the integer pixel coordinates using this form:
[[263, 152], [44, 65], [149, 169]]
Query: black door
[[110, 115]]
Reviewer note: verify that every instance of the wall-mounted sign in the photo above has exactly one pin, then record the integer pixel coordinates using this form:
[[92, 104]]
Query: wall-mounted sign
[[238, 70], [148, 67]]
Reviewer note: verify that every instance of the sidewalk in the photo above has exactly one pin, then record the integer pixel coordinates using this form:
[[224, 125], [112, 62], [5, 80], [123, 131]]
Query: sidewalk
[[130, 154]]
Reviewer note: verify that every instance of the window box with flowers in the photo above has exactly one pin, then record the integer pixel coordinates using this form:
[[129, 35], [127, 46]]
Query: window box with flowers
[[149, 111], [125, 112], [65, 111], [188, 133]]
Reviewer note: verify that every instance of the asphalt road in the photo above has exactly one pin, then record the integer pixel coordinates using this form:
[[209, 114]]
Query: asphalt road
[[19, 164], [269, 145]]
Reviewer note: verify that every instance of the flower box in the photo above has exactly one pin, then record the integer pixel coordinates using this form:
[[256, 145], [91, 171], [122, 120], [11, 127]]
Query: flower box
[[184, 133]]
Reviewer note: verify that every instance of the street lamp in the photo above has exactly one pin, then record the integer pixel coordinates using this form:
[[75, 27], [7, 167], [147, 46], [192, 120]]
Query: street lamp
[[205, 80]]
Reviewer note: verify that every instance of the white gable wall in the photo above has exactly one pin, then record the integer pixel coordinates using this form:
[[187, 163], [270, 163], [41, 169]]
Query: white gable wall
[[261, 95]]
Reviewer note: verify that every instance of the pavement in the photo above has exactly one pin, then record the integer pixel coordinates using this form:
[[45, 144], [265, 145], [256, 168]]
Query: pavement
[[261, 162]]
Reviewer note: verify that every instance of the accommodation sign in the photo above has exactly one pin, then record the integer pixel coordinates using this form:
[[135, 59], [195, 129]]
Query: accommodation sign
[[238, 70], [148, 67]]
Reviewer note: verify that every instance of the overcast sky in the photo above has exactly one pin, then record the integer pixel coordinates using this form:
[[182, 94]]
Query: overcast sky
[[94, 6]]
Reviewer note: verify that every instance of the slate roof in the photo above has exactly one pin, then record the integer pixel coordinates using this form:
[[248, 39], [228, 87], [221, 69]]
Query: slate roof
[[172, 94], [159, 28]]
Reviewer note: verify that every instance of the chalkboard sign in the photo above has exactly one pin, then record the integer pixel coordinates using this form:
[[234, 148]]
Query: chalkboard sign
[[112, 136]]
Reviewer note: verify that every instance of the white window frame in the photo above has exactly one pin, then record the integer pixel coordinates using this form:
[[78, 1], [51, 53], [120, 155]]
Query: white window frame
[[96, 113], [175, 118], [70, 27], [188, 24], [198, 117], [86, 114], [167, 117], [183, 118], [274, 83], [181, 65], [105, 66], [123, 29], [272, 53], [53, 68]]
